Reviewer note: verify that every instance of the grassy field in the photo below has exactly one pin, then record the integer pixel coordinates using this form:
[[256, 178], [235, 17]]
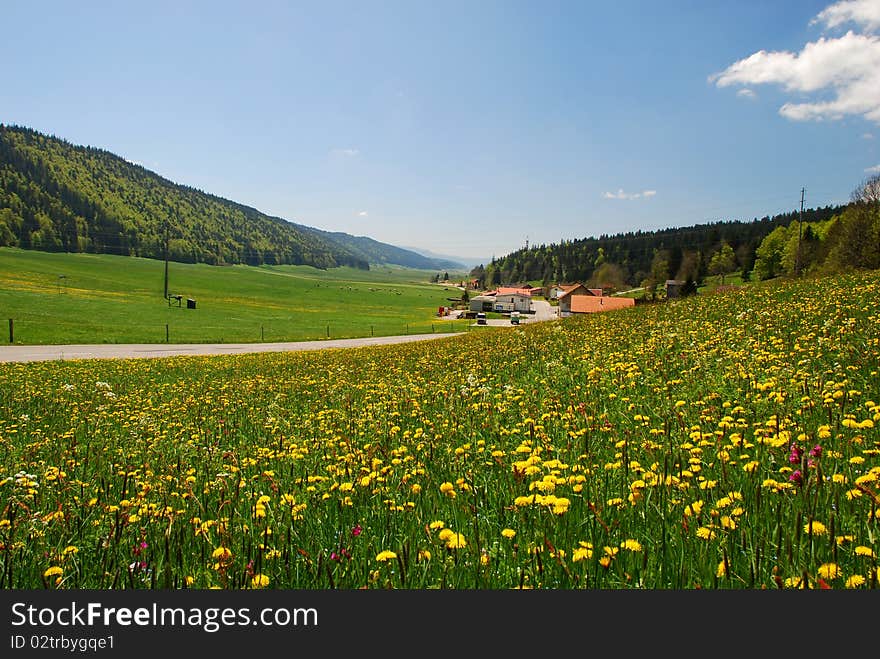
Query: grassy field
[[724, 441], [83, 298]]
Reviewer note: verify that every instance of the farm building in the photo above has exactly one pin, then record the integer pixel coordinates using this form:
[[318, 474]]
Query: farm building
[[513, 302], [568, 293], [482, 303], [596, 304]]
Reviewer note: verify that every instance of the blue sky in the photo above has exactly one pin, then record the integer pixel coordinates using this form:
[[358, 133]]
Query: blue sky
[[465, 128]]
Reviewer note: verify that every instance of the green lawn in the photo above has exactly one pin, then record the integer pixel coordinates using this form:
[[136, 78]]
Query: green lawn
[[88, 298]]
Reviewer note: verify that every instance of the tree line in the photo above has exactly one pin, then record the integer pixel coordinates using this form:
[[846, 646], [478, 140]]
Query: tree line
[[761, 249]]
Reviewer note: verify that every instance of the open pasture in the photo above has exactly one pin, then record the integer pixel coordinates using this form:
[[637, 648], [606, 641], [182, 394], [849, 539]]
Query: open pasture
[[724, 441], [88, 298]]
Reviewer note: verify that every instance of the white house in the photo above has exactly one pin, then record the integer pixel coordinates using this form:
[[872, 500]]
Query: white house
[[508, 302]]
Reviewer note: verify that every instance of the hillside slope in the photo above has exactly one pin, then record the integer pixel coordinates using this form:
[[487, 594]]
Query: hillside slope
[[56, 196]]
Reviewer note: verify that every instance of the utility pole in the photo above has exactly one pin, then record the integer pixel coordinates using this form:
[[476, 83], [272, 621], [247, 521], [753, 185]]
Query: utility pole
[[166, 259], [797, 258]]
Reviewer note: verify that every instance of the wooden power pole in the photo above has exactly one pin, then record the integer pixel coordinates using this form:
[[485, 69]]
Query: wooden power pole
[[797, 257], [166, 259]]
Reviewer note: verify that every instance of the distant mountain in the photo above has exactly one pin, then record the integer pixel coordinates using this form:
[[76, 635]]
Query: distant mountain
[[56, 196], [379, 253], [455, 262]]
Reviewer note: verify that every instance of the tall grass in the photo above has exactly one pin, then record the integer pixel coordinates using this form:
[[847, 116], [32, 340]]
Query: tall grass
[[724, 441]]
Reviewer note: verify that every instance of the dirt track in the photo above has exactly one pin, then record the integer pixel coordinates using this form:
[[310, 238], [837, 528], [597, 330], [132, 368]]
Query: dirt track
[[145, 350]]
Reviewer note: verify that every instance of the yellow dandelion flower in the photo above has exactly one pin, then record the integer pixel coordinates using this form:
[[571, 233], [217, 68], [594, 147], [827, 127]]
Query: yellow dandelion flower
[[855, 581], [484, 559], [70, 549], [581, 554], [221, 554], [722, 570], [631, 545], [259, 581], [815, 528], [605, 561], [560, 505], [693, 509], [53, 571], [416, 488], [438, 524], [448, 489], [445, 534], [386, 555], [861, 550], [424, 555], [456, 541], [508, 533], [796, 582], [705, 533], [829, 571]]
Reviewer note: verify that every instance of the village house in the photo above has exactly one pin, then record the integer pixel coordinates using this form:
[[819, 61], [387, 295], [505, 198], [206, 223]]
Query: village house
[[565, 295], [596, 304], [509, 299]]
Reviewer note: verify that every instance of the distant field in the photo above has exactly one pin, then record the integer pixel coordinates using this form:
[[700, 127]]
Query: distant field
[[87, 298]]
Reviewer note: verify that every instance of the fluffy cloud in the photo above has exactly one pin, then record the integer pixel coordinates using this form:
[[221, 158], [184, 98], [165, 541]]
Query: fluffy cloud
[[873, 170], [363, 214], [620, 194], [863, 12], [841, 73]]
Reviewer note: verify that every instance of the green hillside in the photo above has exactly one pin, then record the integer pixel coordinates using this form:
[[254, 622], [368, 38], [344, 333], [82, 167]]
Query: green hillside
[[59, 197]]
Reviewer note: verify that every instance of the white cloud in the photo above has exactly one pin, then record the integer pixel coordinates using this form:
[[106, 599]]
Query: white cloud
[[863, 12], [620, 194], [363, 214], [746, 93], [867, 136], [835, 77], [873, 170], [348, 153]]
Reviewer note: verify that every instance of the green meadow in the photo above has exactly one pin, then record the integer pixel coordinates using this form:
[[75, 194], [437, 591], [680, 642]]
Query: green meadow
[[87, 298], [722, 441]]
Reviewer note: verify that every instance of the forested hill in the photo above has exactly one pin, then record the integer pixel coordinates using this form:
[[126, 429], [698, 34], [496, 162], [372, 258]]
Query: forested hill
[[628, 259], [56, 196]]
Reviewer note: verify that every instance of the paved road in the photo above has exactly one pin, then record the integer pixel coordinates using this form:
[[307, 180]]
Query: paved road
[[145, 350]]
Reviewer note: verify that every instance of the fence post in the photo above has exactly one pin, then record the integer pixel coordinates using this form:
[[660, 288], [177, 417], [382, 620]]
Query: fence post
[[166, 332], [261, 333], [328, 331], [11, 335]]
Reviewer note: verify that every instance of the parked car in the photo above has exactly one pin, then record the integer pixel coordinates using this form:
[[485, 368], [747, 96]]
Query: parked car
[[514, 318], [481, 318]]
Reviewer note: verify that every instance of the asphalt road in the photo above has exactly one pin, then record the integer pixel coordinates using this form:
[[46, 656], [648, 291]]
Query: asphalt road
[[145, 350]]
